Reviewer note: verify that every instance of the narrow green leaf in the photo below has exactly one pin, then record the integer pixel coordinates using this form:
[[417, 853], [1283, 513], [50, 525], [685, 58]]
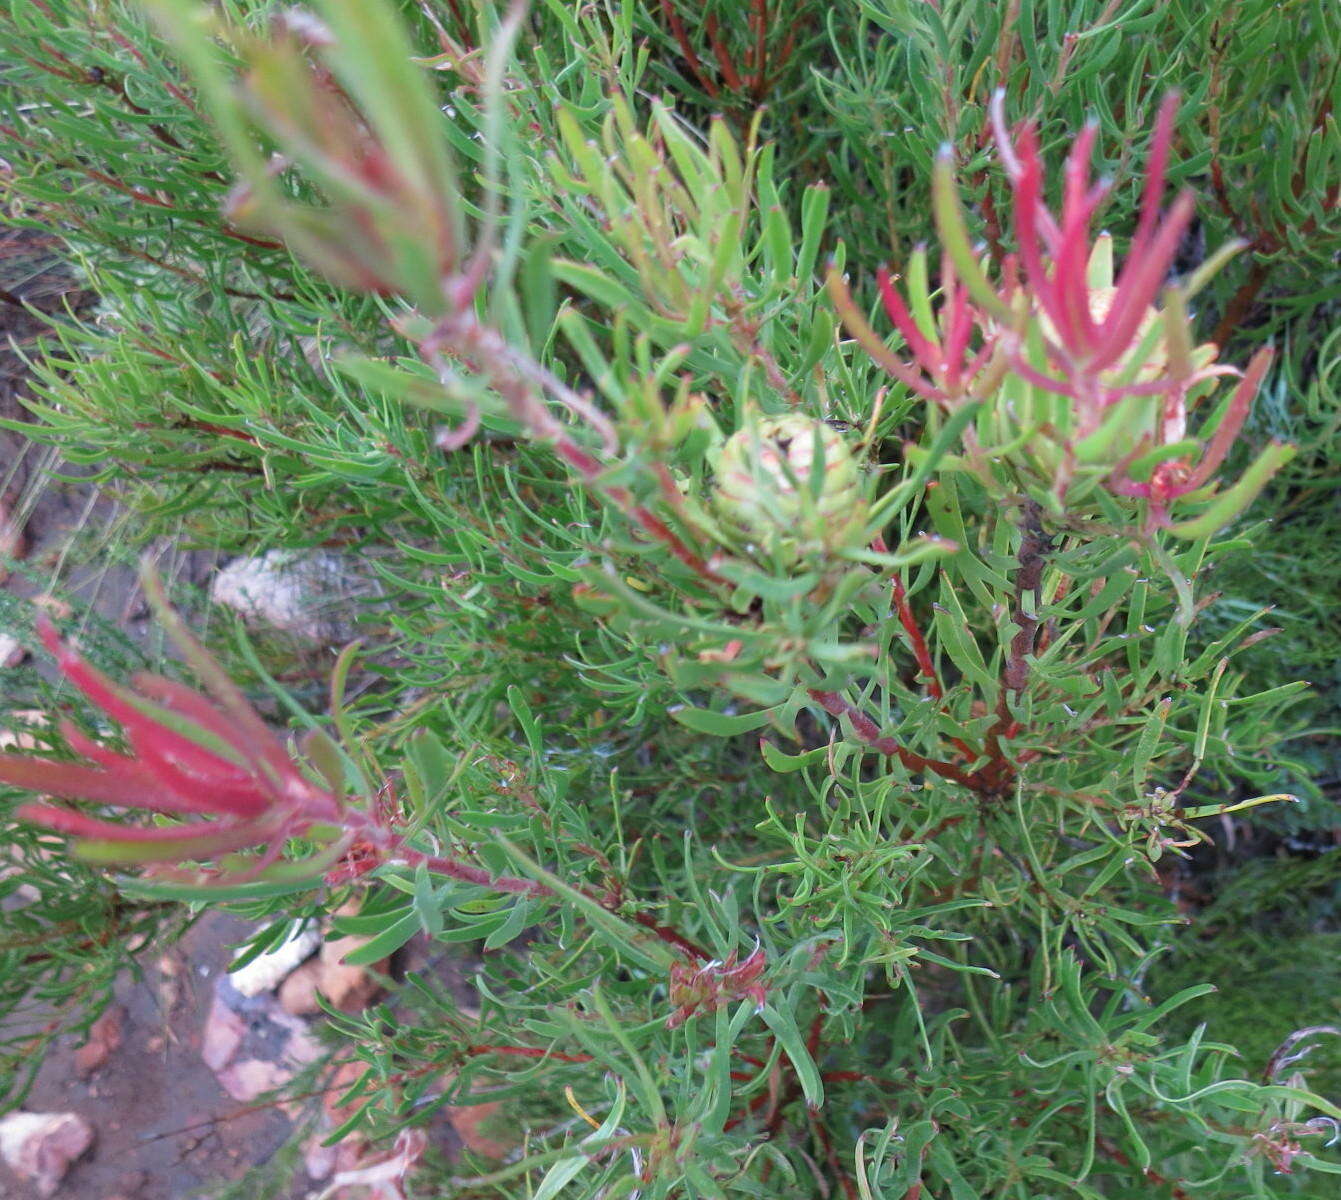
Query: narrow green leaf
[[703, 720], [629, 939], [793, 1044], [955, 237], [1147, 744], [403, 925], [1230, 503], [956, 637]]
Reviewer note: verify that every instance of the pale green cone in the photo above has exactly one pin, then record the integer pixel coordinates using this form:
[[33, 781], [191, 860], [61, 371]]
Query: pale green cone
[[766, 495]]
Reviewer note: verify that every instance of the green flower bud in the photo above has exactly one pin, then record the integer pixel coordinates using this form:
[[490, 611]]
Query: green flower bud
[[766, 494]]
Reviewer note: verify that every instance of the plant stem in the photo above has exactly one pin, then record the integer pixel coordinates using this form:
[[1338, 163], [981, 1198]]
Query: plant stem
[[1034, 545], [869, 732]]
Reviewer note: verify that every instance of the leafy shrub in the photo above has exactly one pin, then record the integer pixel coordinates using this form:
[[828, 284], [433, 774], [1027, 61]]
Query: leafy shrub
[[796, 705]]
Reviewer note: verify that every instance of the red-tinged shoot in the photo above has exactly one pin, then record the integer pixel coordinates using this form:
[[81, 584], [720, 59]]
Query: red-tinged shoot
[[695, 989], [225, 781], [1081, 381], [225, 794], [1094, 326]]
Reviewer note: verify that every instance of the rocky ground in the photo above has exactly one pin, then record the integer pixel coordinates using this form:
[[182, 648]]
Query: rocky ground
[[168, 1097], [148, 1085]]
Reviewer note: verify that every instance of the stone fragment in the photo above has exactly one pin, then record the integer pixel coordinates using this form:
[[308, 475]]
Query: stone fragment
[[12, 651], [385, 1175], [266, 971], [348, 988], [302, 1049], [310, 594], [40, 1147], [318, 1159], [104, 1036], [481, 1128], [298, 993], [252, 1077], [222, 1035], [27, 723]]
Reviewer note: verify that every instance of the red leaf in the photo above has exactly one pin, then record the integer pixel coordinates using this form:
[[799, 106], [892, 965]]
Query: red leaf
[[72, 781]]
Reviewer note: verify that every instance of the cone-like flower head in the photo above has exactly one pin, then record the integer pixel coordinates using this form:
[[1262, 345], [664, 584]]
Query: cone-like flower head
[[707, 988], [789, 485]]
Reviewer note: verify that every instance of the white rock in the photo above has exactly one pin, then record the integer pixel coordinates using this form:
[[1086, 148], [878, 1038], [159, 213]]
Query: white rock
[[40, 1147], [266, 971], [308, 593], [12, 651]]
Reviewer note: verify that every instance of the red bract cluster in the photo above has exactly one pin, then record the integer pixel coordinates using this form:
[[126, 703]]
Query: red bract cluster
[[1077, 374], [953, 357], [217, 768], [1092, 329], [1177, 477], [948, 366]]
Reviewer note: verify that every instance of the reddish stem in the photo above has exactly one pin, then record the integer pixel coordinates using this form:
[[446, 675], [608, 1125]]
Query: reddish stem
[[916, 640], [527, 887], [724, 60], [203, 427], [476, 875], [527, 1052], [757, 58], [831, 1156], [1015, 676], [671, 936], [134, 51], [752, 1107], [918, 643], [868, 732], [1241, 302], [100, 78], [589, 468], [139, 195], [686, 48]]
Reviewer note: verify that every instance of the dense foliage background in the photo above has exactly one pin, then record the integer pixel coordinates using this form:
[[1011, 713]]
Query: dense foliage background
[[990, 991]]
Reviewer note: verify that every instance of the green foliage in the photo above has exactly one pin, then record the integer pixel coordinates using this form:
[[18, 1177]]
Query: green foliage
[[1271, 928], [495, 323]]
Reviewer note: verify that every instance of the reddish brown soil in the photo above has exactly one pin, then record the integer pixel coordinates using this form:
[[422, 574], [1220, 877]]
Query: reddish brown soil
[[164, 1126]]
